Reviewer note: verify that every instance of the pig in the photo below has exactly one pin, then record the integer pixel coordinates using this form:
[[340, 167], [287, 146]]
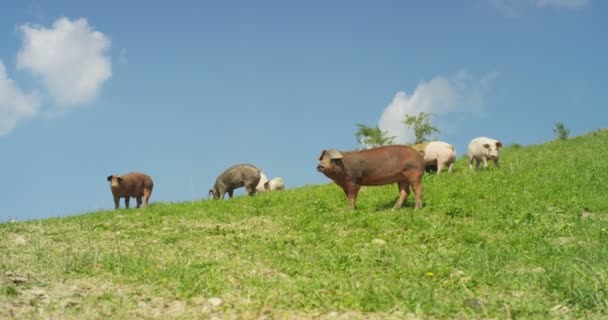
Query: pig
[[373, 167], [437, 155], [235, 177], [481, 149], [274, 184], [263, 179], [133, 184]]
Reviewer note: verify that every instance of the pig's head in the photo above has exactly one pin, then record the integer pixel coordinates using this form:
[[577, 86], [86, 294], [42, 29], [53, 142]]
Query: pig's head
[[213, 192], [493, 149], [115, 181], [330, 163]]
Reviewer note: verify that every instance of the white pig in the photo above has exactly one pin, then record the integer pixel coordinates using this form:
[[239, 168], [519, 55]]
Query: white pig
[[437, 154], [260, 186], [275, 184], [481, 149]]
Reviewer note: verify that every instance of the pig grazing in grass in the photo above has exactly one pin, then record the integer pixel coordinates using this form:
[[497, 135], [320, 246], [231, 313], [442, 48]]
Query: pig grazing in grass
[[374, 167], [274, 184], [481, 149], [437, 154], [133, 184], [237, 176]]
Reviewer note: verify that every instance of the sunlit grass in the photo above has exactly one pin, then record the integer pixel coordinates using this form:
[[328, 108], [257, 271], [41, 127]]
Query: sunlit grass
[[528, 240]]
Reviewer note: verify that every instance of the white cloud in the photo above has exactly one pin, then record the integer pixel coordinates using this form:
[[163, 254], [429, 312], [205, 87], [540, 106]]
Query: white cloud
[[572, 4], [15, 105], [509, 7], [514, 7], [441, 95], [70, 58]]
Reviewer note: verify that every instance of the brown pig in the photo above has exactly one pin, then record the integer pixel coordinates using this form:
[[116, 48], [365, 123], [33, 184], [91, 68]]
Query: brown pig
[[374, 167], [132, 184]]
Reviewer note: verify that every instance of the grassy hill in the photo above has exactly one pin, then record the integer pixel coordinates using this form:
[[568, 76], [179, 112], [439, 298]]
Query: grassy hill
[[529, 240]]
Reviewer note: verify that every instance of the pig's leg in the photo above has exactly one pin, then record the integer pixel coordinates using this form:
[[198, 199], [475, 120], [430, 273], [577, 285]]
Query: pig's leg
[[404, 191], [417, 187], [496, 163], [352, 190], [250, 190], [352, 198], [147, 193], [450, 167], [127, 198], [116, 202], [230, 193], [138, 199], [485, 162], [471, 164], [439, 166]]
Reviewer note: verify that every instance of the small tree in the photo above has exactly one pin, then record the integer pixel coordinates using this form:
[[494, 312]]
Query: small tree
[[370, 137], [421, 124], [560, 130]]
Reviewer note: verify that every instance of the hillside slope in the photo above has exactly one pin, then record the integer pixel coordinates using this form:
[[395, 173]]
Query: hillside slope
[[528, 240]]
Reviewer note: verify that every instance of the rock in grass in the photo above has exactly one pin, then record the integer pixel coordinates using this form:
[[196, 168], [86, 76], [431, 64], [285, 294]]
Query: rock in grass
[[215, 302], [15, 277], [19, 240], [379, 242]]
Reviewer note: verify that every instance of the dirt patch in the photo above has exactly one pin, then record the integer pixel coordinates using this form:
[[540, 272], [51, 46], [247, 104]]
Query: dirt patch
[[85, 299]]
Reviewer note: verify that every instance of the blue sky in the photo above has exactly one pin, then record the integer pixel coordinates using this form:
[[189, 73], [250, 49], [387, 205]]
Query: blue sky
[[182, 90]]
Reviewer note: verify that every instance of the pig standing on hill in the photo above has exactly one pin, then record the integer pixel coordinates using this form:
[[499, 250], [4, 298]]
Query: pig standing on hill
[[374, 167], [274, 184], [437, 154], [133, 184], [481, 149], [235, 177]]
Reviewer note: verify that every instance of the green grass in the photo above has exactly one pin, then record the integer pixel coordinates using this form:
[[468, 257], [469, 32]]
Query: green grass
[[526, 241]]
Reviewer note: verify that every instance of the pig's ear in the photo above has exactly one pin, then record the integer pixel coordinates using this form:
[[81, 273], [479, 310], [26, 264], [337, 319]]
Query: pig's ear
[[486, 145], [498, 144], [109, 178], [335, 154], [322, 153]]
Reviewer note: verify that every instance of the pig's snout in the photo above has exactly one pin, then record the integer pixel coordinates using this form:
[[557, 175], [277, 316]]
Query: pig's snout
[[320, 167]]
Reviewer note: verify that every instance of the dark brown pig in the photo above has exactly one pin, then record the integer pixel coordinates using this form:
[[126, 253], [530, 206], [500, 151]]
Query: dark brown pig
[[235, 177], [133, 184], [374, 167]]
